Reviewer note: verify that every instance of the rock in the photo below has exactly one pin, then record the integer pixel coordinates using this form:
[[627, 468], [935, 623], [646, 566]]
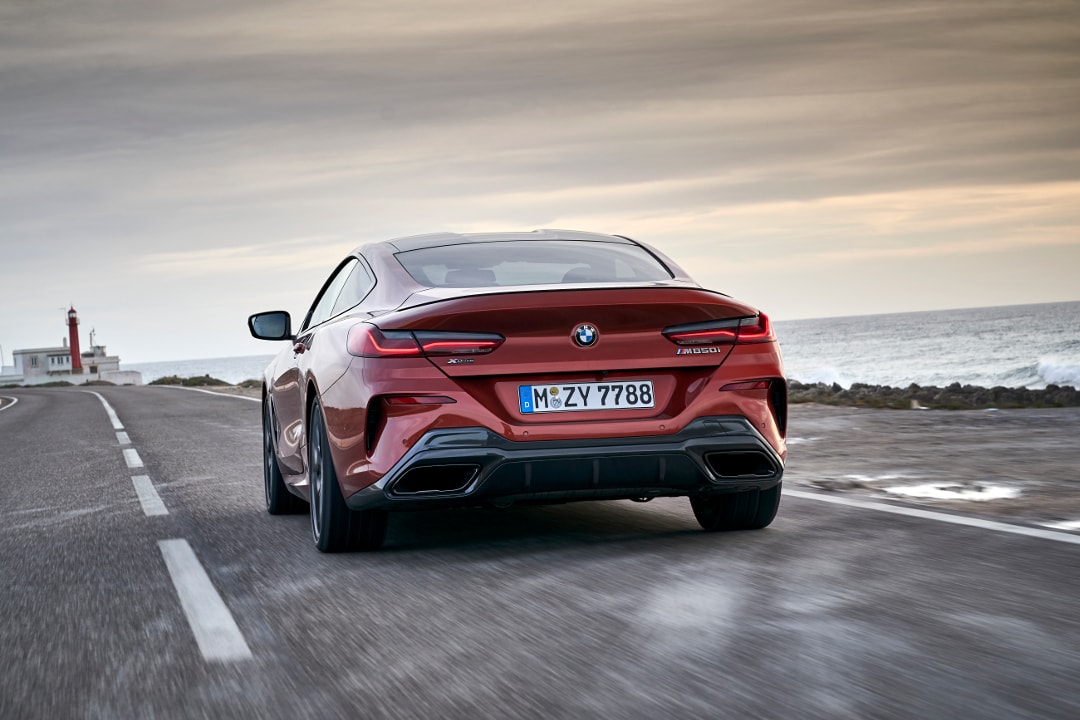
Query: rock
[[953, 397]]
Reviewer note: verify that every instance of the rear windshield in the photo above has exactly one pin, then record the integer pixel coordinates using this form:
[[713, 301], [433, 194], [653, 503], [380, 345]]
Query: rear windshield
[[531, 262]]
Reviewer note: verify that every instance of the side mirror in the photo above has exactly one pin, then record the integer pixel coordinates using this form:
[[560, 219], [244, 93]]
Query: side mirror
[[275, 325]]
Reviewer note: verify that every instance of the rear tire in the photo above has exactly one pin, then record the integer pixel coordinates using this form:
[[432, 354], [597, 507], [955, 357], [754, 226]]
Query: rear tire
[[746, 510], [279, 501], [334, 527]]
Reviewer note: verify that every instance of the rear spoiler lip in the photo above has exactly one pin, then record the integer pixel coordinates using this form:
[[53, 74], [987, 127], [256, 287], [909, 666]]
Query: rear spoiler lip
[[429, 296]]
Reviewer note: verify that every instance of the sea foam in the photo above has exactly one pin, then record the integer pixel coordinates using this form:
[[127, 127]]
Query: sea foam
[[1055, 371], [1019, 346]]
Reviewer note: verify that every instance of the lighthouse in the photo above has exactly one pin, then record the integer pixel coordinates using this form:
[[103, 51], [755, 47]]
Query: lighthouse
[[73, 335]]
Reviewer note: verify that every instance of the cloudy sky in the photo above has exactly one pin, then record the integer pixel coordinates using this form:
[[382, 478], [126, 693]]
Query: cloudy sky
[[171, 167]]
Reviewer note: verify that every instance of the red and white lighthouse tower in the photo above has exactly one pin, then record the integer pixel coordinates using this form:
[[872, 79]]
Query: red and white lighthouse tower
[[73, 335]]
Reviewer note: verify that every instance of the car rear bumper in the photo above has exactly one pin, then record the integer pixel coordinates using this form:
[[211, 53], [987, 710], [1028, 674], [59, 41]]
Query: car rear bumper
[[474, 466]]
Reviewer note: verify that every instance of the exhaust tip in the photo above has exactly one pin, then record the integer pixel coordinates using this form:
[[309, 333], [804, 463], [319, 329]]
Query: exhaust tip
[[436, 479], [741, 465]]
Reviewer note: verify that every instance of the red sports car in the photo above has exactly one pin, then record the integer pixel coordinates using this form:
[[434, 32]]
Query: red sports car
[[538, 367]]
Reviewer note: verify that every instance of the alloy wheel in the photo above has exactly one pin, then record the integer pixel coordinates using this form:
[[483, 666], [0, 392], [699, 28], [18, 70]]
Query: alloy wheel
[[316, 477], [268, 454]]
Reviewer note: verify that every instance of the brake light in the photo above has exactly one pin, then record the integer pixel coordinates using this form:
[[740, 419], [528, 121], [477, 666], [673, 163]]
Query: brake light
[[369, 341], [756, 329], [730, 331], [439, 343], [714, 332]]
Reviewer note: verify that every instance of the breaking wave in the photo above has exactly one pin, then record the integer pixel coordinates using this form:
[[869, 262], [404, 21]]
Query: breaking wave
[[1054, 372], [825, 375], [1021, 346]]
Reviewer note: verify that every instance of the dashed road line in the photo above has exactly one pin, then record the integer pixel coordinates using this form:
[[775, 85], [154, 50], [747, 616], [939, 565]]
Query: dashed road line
[[117, 425], [151, 502], [148, 497], [131, 457], [215, 630], [939, 517]]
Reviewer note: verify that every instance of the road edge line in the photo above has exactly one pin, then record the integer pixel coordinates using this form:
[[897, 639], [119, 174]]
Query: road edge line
[[994, 525], [211, 392]]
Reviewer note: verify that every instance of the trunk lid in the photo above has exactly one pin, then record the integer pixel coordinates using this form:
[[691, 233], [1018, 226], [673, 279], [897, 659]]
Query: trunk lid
[[540, 349]]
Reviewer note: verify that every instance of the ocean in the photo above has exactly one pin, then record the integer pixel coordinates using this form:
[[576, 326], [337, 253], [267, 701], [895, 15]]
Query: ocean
[[1015, 346]]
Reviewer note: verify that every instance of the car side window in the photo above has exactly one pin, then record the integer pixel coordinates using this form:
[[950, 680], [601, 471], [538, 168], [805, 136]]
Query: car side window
[[356, 288], [324, 306]]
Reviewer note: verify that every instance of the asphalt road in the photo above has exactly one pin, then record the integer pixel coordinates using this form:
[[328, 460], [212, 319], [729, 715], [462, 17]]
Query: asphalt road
[[614, 610]]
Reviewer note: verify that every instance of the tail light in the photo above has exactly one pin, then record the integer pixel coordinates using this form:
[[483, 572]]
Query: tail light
[[730, 331], [369, 341], [437, 343], [756, 329]]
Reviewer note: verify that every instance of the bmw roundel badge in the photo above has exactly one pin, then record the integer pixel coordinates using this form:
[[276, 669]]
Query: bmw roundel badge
[[585, 335]]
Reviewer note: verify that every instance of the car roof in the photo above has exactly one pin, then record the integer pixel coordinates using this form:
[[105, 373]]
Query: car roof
[[418, 242]]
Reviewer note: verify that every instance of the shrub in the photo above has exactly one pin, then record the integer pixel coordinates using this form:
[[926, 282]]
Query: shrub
[[199, 381]]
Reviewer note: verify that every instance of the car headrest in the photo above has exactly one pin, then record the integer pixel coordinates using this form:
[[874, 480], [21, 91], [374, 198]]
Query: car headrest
[[471, 277], [585, 274]]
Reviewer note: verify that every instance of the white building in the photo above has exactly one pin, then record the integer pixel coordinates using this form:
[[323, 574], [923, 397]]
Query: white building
[[36, 366]]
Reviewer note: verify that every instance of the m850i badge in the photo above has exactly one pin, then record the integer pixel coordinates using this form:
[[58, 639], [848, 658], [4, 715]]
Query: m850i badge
[[698, 351]]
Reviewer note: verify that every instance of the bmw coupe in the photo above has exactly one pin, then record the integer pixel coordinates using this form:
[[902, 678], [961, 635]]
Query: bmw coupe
[[499, 368]]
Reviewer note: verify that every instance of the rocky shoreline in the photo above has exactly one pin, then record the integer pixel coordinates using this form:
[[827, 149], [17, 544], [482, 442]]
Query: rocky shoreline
[[912, 397], [918, 397]]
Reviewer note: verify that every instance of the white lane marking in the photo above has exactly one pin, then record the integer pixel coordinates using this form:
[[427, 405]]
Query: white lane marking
[[211, 392], [122, 438], [215, 630], [117, 425], [148, 497], [13, 401], [1064, 525], [131, 457], [938, 516]]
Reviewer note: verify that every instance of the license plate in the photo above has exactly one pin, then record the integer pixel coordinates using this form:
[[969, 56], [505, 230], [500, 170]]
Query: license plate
[[570, 397]]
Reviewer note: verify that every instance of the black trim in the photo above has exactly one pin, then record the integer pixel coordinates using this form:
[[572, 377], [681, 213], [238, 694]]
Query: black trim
[[562, 471]]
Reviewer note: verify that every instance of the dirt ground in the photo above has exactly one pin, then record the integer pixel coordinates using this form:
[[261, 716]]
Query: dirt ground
[[859, 451]]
